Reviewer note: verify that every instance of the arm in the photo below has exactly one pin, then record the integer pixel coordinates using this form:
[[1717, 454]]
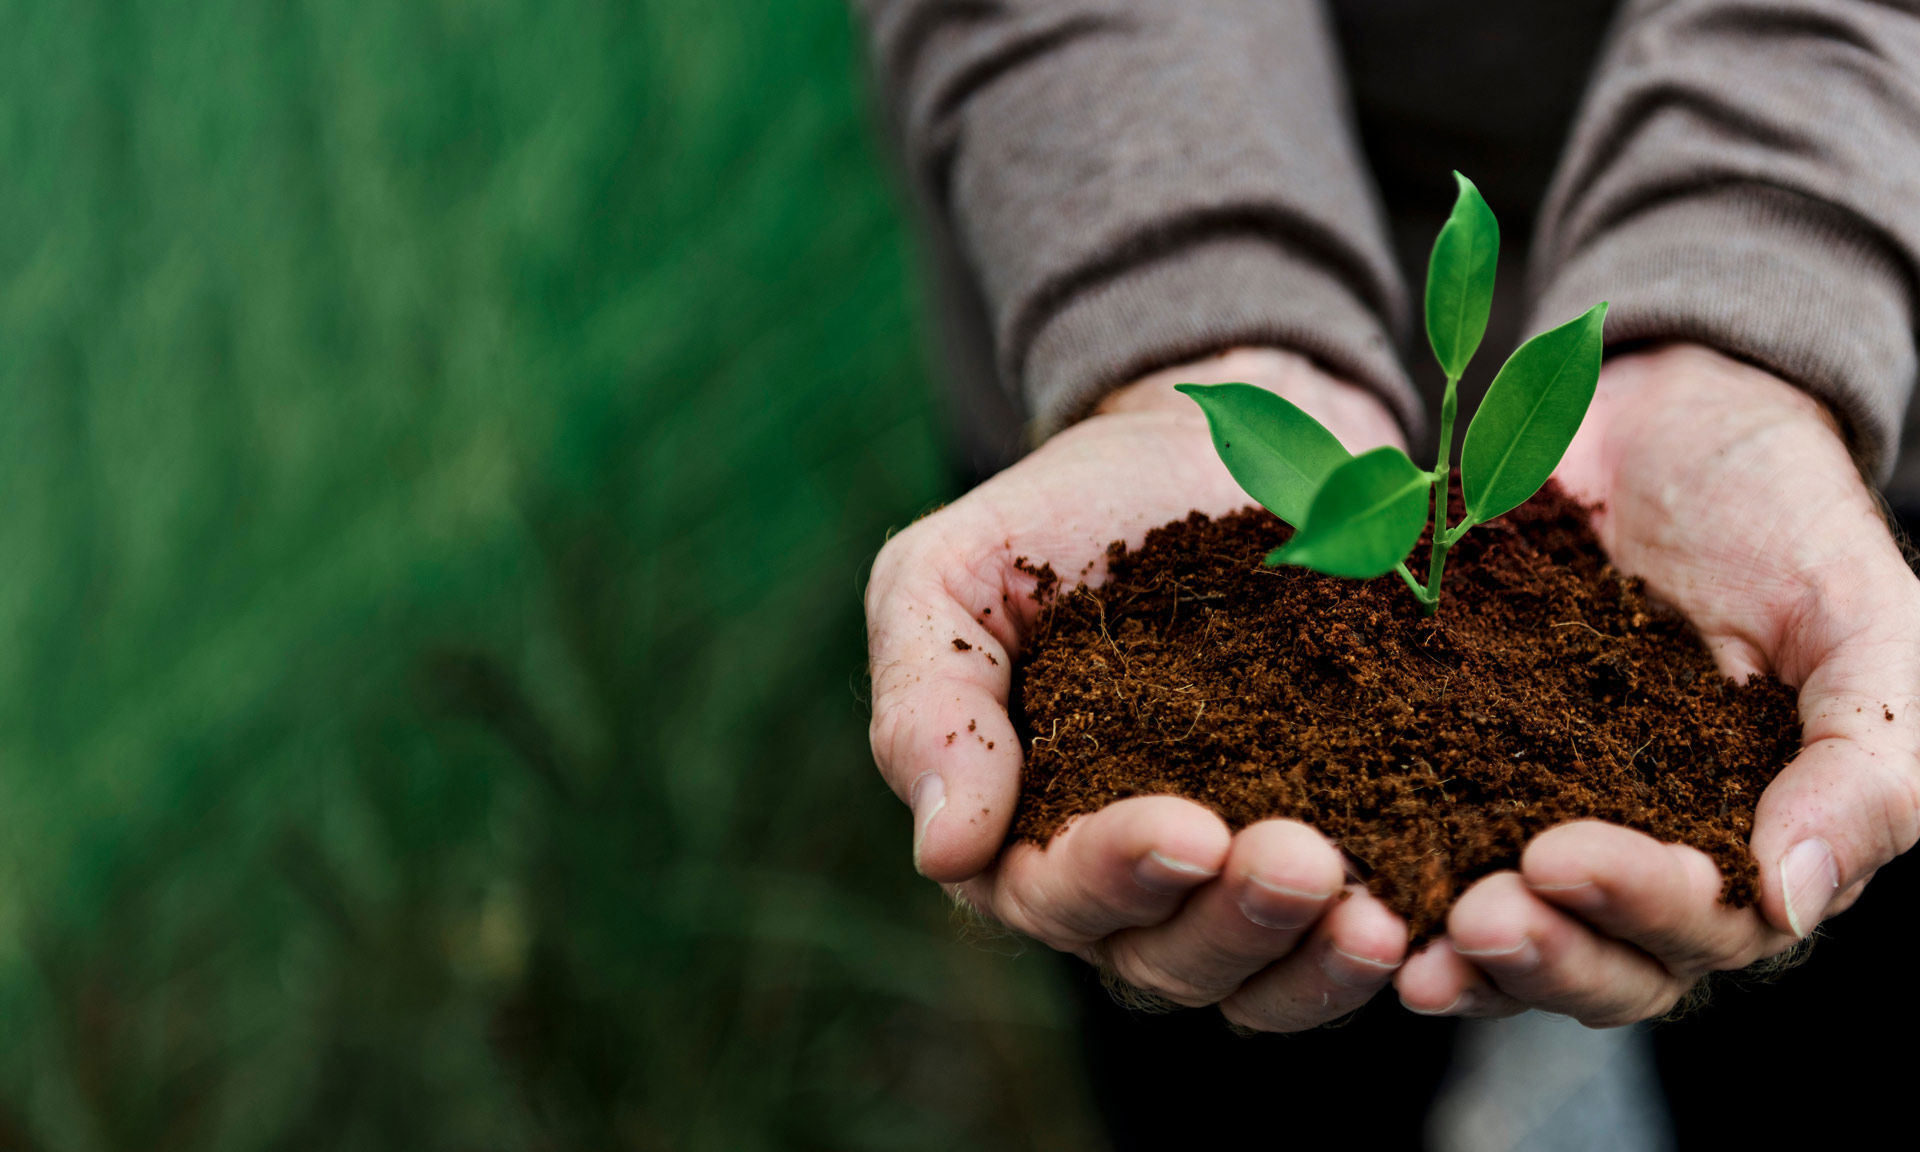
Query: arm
[[1124, 186], [1154, 888], [1731, 492], [1746, 176], [1130, 184], [1741, 186]]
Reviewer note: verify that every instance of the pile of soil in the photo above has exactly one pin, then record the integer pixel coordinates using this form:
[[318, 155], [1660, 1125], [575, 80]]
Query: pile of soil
[[1431, 749]]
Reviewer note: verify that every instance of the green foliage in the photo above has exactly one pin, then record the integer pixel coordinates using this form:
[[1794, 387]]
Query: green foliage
[[1360, 517], [1460, 279], [406, 741], [1529, 416], [1278, 453], [1364, 518]]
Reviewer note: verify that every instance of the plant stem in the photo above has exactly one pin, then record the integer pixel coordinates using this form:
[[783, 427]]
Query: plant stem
[[1442, 484], [1419, 590]]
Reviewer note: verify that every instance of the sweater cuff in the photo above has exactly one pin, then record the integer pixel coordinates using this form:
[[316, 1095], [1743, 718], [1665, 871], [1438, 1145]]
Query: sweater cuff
[[1788, 283], [1221, 293]]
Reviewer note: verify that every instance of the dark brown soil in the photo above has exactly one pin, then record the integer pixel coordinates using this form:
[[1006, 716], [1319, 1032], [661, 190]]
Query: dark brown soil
[[1547, 689]]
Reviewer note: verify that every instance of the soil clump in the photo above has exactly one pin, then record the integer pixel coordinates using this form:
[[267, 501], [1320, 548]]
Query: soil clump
[[1547, 689]]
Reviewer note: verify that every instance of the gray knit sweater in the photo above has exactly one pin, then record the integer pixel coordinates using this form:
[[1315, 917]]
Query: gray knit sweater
[[1114, 186]]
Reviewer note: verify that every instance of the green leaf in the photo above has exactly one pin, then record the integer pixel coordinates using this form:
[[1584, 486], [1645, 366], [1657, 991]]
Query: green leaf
[[1278, 453], [1529, 416], [1460, 279], [1364, 520]]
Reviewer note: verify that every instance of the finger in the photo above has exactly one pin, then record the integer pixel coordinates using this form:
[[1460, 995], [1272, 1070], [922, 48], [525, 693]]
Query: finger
[[1849, 803], [1278, 879], [1437, 981], [1546, 959], [1128, 865], [939, 645], [1662, 898], [1351, 955]]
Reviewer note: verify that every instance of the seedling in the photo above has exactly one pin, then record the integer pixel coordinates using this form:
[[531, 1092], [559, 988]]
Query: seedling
[[1359, 516]]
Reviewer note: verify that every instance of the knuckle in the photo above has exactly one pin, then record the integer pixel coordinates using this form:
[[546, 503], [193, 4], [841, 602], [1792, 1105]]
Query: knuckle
[[1153, 976], [1681, 953], [1618, 1012], [1010, 908], [888, 564], [1899, 816], [1688, 956], [1687, 959], [1613, 1016], [1015, 907], [1266, 1013], [1554, 984], [1686, 943], [1759, 952], [887, 734], [1667, 932], [1660, 1001], [1676, 938], [1242, 1015], [1564, 978]]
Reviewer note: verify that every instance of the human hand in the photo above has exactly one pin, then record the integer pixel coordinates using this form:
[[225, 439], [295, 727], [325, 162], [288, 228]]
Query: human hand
[[1154, 888], [1731, 493]]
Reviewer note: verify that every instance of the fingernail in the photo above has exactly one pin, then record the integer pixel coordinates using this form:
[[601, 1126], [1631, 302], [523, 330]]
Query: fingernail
[[928, 797], [1522, 957], [1352, 971], [1277, 906], [1462, 1005], [1809, 878], [1159, 872]]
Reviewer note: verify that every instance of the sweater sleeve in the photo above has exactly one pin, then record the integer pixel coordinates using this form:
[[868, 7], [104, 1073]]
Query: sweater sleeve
[[1134, 183], [1746, 174]]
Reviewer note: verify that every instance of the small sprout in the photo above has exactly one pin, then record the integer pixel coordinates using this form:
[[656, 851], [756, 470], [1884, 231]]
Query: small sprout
[[1460, 280], [1359, 516], [1529, 416], [1277, 452], [1363, 520]]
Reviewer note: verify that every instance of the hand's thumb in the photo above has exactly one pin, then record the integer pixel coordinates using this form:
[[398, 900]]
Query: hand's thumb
[[1842, 809]]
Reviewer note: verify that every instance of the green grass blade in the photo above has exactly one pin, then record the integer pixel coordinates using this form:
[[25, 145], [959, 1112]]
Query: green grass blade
[[1365, 519], [1275, 451], [1460, 279], [1530, 415]]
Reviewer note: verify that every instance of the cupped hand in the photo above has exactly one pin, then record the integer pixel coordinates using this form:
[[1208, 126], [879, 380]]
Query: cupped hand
[[1154, 888], [1733, 495]]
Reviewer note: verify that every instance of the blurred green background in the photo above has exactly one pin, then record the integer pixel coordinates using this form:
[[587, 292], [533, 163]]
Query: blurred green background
[[441, 445]]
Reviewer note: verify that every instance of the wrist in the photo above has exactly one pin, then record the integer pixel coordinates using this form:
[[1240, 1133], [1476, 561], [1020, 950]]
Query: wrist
[[1358, 417], [1684, 374], [1662, 405]]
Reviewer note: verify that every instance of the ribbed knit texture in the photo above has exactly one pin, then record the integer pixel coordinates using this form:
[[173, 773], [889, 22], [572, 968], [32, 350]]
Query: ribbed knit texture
[[1214, 293], [1747, 175], [1129, 184], [1134, 183], [1765, 276]]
